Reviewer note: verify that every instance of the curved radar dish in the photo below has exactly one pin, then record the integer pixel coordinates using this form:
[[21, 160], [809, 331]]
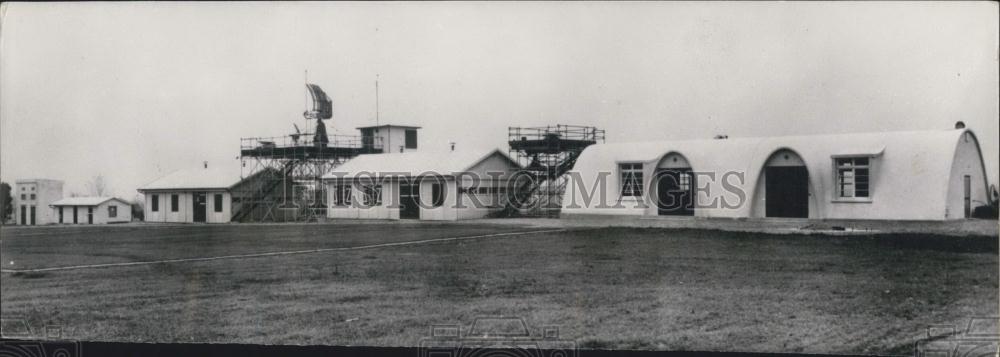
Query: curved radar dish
[[322, 107]]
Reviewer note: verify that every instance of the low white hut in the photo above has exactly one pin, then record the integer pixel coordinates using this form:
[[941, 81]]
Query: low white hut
[[913, 175]]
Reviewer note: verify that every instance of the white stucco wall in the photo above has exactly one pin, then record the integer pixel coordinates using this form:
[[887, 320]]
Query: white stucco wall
[[100, 213], [46, 192], [185, 209], [914, 175], [448, 211], [968, 161]]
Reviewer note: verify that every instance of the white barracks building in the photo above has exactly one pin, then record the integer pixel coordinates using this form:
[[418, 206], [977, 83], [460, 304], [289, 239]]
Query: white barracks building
[[911, 175]]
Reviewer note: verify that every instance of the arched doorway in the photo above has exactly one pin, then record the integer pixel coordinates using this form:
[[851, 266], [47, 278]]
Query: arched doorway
[[786, 186], [674, 186]]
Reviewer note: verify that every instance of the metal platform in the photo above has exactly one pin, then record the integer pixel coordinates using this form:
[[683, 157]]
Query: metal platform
[[287, 175], [546, 153]]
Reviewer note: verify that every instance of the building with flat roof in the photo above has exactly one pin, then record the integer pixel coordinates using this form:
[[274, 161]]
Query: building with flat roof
[[31, 200], [393, 138]]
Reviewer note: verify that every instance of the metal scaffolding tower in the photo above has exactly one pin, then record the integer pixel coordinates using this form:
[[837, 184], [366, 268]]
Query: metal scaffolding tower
[[282, 175], [546, 153]]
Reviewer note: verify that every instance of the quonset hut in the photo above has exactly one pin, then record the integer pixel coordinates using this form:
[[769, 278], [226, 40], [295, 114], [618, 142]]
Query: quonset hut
[[912, 175]]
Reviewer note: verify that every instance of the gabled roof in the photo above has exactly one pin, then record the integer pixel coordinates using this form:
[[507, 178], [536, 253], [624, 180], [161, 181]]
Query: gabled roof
[[417, 162], [189, 179], [85, 201]]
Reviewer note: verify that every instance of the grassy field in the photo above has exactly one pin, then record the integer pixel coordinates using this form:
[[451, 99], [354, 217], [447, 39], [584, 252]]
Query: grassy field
[[605, 288]]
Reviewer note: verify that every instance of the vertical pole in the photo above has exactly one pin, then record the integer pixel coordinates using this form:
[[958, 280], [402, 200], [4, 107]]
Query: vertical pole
[[376, 100]]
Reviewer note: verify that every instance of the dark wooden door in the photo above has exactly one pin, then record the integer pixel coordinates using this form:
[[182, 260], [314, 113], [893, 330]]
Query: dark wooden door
[[675, 192], [787, 191], [409, 199], [967, 190], [75, 216], [32, 215], [90, 215], [24, 215], [199, 206]]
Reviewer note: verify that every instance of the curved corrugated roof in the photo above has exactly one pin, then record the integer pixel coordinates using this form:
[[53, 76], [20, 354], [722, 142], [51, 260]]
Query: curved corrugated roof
[[924, 158]]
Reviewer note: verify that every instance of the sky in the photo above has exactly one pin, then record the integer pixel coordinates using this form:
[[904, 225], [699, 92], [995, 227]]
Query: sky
[[133, 91]]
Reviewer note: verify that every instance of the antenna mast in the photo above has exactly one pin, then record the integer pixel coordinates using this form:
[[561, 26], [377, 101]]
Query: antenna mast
[[305, 97], [376, 99]]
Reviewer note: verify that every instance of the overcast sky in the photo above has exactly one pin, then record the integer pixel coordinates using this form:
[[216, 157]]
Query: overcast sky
[[135, 90]]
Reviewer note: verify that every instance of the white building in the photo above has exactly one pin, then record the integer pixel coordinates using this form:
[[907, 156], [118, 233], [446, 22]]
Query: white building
[[392, 138], [916, 175], [31, 200], [92, 210], [198, 195], [427, 185]]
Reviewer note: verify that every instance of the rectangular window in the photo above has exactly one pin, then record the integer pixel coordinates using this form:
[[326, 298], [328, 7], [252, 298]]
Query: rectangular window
[[411, 139], [631, 179], [32, 196], [174, 204], [112, 211], [24, 197], [437, 195], [853, 177], [372, 194], [217, 202], [342, 194], [156, 203]]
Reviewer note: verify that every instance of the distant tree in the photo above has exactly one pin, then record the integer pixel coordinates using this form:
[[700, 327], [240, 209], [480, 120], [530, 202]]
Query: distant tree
[[6, 207], [138, 207], [98, 186]]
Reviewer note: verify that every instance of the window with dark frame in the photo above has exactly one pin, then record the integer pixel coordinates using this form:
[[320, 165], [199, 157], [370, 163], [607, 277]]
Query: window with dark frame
[[156, 203], [342, 194], [853, 177], [174, 203], [372, 194], [631, 179], [112, 211], [411, 139], [218, 202]]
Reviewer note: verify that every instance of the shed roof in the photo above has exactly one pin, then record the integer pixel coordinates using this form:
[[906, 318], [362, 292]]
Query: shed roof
[[417, 162], [188, 179], [389, 125], [85, 201]]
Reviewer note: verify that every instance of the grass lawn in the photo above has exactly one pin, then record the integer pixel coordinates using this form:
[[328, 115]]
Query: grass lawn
[[605, 288]]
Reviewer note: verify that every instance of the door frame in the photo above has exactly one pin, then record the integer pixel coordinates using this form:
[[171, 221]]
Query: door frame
[[687, 208], [786, 212], [199, 212], [408, 200]]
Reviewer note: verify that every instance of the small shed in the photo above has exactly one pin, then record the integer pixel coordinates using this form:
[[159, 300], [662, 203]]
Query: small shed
[[92, 210]]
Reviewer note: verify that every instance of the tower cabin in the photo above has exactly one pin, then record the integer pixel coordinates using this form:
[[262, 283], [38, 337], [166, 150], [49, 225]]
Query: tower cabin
[[394, 138]]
